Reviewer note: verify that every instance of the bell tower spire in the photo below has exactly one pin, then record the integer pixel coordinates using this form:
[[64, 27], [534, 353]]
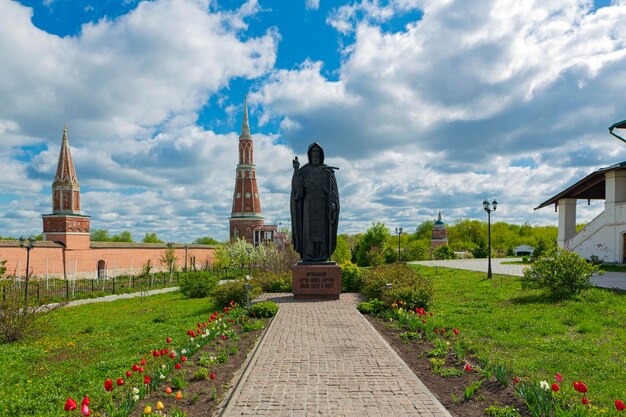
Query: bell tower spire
[[245, 126]]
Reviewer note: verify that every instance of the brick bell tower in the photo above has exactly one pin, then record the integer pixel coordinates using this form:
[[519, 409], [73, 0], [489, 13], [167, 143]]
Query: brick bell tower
[[66, 225], [245, 216]]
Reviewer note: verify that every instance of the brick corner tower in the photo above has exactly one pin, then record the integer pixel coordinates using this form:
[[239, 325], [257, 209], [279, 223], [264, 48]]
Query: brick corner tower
[[439, 234], [66, 225], [245, 216]]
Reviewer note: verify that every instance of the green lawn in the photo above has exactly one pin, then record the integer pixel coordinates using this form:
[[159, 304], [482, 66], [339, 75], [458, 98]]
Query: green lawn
[[75, 349], [583, 339], [613, 268]]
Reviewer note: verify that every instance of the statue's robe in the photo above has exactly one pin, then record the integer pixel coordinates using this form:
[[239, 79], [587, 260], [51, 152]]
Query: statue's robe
[[313, 222]]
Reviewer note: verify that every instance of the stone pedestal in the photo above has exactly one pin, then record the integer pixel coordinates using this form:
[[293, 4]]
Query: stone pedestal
[[316, 281]]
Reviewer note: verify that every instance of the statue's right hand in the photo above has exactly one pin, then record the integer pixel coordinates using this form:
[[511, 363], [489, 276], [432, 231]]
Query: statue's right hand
[[296, 163]]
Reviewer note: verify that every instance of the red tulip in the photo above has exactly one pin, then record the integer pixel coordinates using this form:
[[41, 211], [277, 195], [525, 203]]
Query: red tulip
[[86, 400], [431, 314], [585, 401], [436, 330], [172, 355], [120, 382], [70, 404], [156, 353], [84, 410], [168, 390], [143, 362], [619, 405], [183, 358], [576, 385], [468, 367], [582, 387], [177, 366], [516, 380], [555, 387], [212, 375], [558, 378], [424, 321], [163, 351], [135, 367], [129, 374], [146, 379], [108, 385], [223, 337], [140, 369], [443, 331], [168, 340], [456, 331]]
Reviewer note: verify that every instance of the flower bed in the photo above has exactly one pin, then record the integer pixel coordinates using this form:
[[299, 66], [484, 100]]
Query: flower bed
[[469, 385], [158, 382]]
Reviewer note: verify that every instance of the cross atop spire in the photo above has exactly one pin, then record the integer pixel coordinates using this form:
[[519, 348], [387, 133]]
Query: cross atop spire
[[245, 126], [65, 167], [439, 217]]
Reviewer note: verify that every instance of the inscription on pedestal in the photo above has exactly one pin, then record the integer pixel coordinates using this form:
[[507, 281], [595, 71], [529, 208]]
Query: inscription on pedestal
[[316, 281]]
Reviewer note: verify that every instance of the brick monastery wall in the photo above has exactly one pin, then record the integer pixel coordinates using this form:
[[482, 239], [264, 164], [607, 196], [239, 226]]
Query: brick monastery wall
[[48, 260]]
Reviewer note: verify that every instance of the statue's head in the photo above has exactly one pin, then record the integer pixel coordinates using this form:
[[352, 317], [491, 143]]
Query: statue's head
[[315, 154]]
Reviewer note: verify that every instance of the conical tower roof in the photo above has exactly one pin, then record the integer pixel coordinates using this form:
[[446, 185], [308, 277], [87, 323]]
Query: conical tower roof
[[65, 166]]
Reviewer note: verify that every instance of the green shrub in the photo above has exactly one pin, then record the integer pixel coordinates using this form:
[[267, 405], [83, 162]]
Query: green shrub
[[235, 291], [373, 307], [264, 309], [273, 281], [406, 285], [561, 273], [351, 277], [444, 252], [198, 284]]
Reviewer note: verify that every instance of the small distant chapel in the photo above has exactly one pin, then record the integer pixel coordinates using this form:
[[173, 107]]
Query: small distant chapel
[[439, 234], [246, 220]]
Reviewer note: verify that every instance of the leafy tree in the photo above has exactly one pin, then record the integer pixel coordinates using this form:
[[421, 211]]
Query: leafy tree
[[342, 251], [540, 249], [168, 258], [417, 250], [425, 230], [122, 237], [206, 240], [100, 235], [444, 252], [151, 238], [480, 251], [563, 274], [372, 244]]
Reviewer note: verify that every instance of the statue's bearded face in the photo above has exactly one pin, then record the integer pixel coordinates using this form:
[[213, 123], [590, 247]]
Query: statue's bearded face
[[315, 156]]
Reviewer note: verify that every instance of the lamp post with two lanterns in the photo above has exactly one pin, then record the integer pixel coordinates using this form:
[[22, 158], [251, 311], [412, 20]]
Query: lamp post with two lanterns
[[489, 207], [28, 246]]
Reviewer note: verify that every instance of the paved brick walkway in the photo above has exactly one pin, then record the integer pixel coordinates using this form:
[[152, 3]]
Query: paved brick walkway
[[323, 358]]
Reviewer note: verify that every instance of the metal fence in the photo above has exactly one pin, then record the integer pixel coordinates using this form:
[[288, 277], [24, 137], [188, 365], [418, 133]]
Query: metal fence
[[43, 291]]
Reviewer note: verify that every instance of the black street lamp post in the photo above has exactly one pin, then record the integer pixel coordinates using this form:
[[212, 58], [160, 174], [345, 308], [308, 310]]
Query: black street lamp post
[[489, 209], [399, 233], [249, 250], [29, 246]]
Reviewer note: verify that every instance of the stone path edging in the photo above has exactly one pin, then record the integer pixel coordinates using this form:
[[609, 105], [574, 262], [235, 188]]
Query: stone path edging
[[226, 404], [418, 381]]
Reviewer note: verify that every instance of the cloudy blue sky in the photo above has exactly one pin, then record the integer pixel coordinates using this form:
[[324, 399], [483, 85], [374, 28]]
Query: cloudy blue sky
[[423, 104]]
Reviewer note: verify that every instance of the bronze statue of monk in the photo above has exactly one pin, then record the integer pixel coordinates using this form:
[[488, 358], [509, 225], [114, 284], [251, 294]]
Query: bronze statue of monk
[[314, 207]]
